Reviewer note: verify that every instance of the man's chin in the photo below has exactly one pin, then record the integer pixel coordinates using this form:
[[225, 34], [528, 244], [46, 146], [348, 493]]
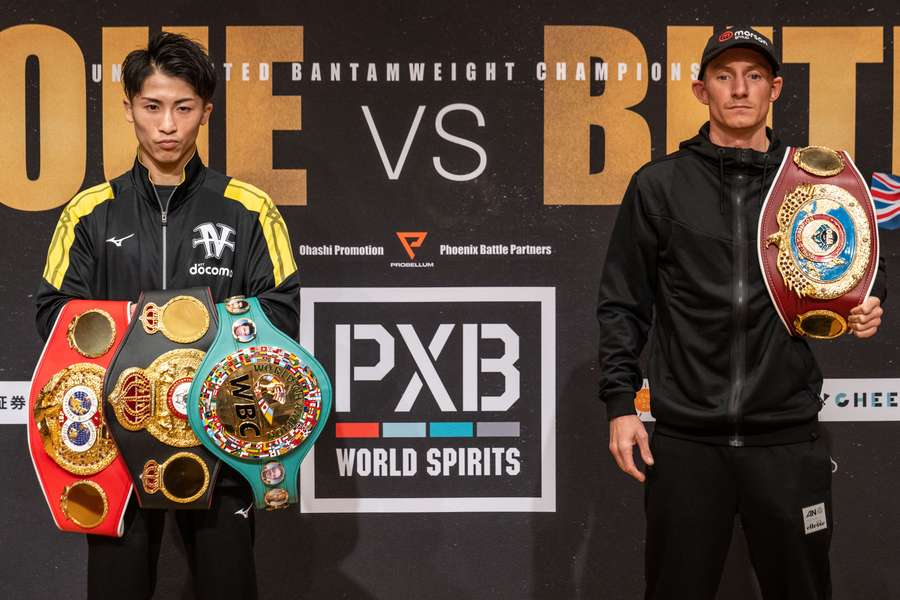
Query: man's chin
[[167, 158], [744, 123]]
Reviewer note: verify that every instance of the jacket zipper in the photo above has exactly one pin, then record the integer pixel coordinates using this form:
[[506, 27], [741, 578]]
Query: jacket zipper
[[739, 311], [164, 214]]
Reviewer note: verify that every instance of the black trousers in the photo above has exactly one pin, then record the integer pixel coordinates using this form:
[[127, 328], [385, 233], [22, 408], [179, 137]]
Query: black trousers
[[692, 495], [219, 544]]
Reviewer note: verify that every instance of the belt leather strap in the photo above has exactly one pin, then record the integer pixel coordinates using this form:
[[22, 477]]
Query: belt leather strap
[[84, 478], [146, 392], [259, 402], [818, 241]]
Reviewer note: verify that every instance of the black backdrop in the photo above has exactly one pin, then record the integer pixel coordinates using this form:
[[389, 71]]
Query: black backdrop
[[584, 538]]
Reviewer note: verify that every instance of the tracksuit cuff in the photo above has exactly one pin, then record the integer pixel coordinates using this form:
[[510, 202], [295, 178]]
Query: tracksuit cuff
[[619, 404]]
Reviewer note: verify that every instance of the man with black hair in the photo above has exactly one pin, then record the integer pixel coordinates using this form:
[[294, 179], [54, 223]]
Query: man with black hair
[[172, 223], [735, 397]]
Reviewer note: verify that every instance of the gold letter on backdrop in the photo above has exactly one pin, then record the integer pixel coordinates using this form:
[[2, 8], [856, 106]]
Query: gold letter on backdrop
[[832, 54], [570, 110], [253, 113], [63, 135], [119, 143], [684, 113]]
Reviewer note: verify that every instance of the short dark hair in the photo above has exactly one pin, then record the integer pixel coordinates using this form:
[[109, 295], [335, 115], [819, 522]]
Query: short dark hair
[[174, 55]]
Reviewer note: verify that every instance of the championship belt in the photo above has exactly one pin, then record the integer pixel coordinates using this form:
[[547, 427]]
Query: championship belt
[[84, 479], [818, 241], [146, 398], [259, 402]]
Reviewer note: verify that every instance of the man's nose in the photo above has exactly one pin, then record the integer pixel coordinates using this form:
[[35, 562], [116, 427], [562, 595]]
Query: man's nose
[[167, 123]]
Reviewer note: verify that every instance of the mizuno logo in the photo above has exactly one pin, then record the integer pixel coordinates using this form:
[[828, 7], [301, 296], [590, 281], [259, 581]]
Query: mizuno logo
[[214, 242], [118, 242], [244, 512]]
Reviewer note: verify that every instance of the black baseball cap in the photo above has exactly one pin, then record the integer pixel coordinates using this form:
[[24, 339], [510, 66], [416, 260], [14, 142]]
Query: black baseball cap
[[738, 37]]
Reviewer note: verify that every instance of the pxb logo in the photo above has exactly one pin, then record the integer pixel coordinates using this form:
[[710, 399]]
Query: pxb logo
[[444, 399], [425, 363]]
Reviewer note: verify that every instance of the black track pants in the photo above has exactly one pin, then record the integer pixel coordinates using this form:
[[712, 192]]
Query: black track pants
[[219, 544], [693, 493]]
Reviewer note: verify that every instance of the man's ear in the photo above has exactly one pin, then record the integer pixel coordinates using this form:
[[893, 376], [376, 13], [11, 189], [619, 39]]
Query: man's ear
[[698, 86], [129, 112], [777, 84], [207, 110]]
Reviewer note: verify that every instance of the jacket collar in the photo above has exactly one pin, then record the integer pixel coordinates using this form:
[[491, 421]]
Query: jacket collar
[[192, 177], [735, 158]]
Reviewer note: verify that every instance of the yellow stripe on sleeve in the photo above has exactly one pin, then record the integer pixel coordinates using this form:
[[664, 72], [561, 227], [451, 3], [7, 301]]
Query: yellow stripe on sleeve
[[64, 236], [272, 225]]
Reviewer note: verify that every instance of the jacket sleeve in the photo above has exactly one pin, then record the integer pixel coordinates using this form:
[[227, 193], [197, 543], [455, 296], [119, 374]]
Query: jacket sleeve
[[625, 304], [70, 268], [272, 273]]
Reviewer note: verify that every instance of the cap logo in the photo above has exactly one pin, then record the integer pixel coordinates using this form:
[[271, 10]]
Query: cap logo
[[725, 36], [742, 34]]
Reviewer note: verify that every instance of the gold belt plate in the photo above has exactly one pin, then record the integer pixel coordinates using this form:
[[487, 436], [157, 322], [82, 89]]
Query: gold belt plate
[[182, 478], [91, 333], [155, 398], [819, 160], [69, 419], [800, 268], [183, 319], [84, 503]]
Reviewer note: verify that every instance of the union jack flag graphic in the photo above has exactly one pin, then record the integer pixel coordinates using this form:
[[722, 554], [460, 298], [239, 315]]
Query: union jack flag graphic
[[886, 194]]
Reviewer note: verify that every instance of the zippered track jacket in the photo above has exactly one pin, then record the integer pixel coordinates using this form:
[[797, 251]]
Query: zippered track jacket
[[117, 239], [682, 269]]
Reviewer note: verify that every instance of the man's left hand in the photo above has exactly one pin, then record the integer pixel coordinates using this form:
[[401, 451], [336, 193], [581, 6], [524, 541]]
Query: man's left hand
[[866, 318]]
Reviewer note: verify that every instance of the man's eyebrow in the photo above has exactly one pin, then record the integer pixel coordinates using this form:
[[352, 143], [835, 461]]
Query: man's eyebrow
[[158, 101], [727, 67]]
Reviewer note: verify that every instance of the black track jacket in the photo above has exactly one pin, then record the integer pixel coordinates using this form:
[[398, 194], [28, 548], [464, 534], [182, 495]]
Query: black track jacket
[[115, 240], [722, 367]]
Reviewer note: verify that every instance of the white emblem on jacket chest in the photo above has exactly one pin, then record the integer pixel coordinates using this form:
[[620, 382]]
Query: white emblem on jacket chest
[[214, 242], [118, 242]]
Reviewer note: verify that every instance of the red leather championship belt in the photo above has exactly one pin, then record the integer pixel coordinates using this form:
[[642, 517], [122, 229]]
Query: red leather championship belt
[[84, 479], [818, 241]]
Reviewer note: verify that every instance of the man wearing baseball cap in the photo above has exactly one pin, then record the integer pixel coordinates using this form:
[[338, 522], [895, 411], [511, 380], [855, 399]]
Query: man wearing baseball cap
[[735, 397]]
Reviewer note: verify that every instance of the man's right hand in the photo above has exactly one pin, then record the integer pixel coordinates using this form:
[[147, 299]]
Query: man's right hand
[[624, 433]]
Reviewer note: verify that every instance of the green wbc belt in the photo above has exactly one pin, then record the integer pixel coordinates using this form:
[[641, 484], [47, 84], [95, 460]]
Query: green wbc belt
[[259, 401]]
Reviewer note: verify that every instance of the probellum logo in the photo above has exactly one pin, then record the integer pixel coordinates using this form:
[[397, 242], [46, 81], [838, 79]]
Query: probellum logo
[[444, 399], [411, 240]]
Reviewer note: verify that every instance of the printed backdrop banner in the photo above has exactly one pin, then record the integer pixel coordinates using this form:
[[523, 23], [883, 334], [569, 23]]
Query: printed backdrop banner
[[449, 174]]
